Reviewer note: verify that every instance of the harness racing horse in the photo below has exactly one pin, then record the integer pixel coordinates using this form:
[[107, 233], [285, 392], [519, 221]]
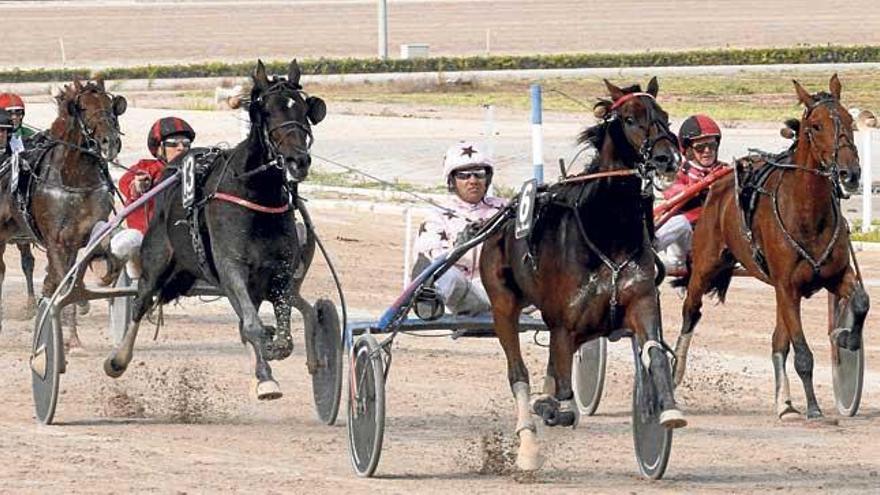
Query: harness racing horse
[[794, 238], [241, 236], [68, 188], [588, 264]]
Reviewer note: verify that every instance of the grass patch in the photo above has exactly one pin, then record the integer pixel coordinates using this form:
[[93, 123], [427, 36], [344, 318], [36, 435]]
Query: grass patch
[[759, 97]]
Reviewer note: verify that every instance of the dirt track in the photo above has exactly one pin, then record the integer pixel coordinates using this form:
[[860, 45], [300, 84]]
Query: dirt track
[[182, 420], [106, 33]]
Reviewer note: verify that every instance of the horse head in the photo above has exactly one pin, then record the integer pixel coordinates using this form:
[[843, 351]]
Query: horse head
[[284, 114], [826, 131], [94, 113], [639, 128]]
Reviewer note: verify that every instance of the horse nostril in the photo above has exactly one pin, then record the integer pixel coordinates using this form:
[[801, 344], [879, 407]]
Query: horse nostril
[[662, 159]]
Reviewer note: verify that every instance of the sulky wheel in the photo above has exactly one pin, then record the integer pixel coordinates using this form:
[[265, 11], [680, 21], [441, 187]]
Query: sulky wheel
[[653, 442], [366, 405], [120, 310], [588, 375], [327, 380], [47, 358], [847, 367], [848, 373]]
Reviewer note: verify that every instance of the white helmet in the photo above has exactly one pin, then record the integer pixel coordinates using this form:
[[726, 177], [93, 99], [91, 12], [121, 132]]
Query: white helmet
[[466, 154]]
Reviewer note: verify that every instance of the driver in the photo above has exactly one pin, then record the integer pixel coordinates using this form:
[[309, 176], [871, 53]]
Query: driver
[[169, 137], [467, 171], [699, 138], [13, 104]]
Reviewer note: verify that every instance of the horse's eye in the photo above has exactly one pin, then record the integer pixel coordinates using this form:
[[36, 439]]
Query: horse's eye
[[629, 121], [817, 127]]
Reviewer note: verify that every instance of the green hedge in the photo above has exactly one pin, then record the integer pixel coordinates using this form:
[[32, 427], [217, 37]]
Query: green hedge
[[757, 56]]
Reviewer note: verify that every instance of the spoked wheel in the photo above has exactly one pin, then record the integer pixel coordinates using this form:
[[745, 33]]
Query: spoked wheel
[[120, 310], [47, 358], [366, 405], [327, 381], [588, 375], [653, 442]]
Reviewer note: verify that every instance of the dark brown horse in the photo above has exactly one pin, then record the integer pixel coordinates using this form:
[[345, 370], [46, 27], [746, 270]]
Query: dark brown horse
[[799, 240], [69, 188], [588, 264]]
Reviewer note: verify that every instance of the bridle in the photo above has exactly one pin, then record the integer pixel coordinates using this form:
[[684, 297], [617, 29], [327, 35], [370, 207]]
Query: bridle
[[830, 170], [643, 161], [92, 145], [276, 158]]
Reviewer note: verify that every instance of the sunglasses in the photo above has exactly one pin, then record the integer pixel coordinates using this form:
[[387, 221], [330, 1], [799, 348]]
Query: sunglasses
[[467, 174], [16, 113], [174, 143], [702, 147]]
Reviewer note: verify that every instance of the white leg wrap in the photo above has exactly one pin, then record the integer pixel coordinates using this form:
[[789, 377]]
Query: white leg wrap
[[523, 410], [646, 354]]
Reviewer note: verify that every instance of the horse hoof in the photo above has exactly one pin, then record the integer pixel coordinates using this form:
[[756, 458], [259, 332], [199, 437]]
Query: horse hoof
[[815, 415], [673, 418], [113, 370], [789, 414], [268, 390], [529, 460], [548, 409]]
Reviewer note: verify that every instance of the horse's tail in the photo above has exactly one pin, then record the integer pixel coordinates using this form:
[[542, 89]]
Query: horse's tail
[[718, 285]]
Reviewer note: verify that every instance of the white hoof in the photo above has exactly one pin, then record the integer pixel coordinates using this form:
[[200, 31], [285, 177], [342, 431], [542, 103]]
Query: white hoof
[[529, 461], [268, 390], [673, 418]]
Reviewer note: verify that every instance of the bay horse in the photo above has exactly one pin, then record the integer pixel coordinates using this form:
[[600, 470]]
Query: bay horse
[[246, 227], [589, 265], [796, 241], [68, 188]]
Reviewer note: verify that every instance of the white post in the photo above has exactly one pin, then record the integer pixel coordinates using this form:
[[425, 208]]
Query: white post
[[867, 181], [383, 28], [63, 54], [407, 247], [488, 42], [537, 134]]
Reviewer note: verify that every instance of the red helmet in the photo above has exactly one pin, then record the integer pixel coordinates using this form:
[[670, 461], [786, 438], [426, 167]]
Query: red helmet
[[696, 127], [165, 127], [11, 101]]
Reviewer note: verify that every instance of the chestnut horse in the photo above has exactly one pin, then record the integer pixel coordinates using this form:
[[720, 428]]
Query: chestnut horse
[[69, 187], [796, 240], [589, 265]]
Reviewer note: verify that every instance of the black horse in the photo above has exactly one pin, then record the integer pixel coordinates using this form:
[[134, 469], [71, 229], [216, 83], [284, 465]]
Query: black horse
[[588, 264], [240, 234]]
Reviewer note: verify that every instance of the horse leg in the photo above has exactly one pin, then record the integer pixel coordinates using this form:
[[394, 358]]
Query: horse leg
[[698, 285], [58, 263], [252, 330], [159, 271], [850, 320], [781, 345], [550, 377], [27, 266], [643, 317], [789, 303], [556, 408], [505, 311]]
